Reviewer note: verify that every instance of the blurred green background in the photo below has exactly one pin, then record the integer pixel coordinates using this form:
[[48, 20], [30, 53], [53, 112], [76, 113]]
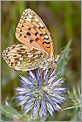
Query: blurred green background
[[63, 20]]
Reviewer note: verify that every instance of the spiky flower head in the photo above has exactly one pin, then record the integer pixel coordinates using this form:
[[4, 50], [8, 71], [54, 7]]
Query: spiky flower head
[[41, 92]]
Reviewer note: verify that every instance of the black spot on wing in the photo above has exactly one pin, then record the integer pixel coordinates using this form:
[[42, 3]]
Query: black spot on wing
[[46, 42], [20, 35], [46, 38], [47, 47], [36, 33], [41, 34], [28, 33], [25, 36], [41, 27], [31, 40], [20, 30], [37, 39], [29, 28]]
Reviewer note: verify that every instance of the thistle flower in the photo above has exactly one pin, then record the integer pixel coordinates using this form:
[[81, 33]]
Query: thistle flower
[[41, 92]]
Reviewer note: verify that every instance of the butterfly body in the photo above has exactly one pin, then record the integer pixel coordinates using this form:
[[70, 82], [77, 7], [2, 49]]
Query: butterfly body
[[36, 50]]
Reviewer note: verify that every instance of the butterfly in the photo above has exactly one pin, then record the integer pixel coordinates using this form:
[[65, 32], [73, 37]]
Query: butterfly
[[36, 49]]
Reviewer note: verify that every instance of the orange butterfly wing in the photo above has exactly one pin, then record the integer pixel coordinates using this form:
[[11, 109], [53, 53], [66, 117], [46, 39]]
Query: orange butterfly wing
[[32, 32]]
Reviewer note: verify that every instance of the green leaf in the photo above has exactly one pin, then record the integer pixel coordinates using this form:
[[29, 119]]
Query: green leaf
[[4, 118], [9, 111], [64, 57]]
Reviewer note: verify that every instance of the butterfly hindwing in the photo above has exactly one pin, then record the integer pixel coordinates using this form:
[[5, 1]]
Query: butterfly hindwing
[[32, 32], [23, 58]]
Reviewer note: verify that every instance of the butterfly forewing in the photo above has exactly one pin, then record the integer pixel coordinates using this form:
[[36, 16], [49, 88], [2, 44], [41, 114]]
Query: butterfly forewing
[[32, 32]]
